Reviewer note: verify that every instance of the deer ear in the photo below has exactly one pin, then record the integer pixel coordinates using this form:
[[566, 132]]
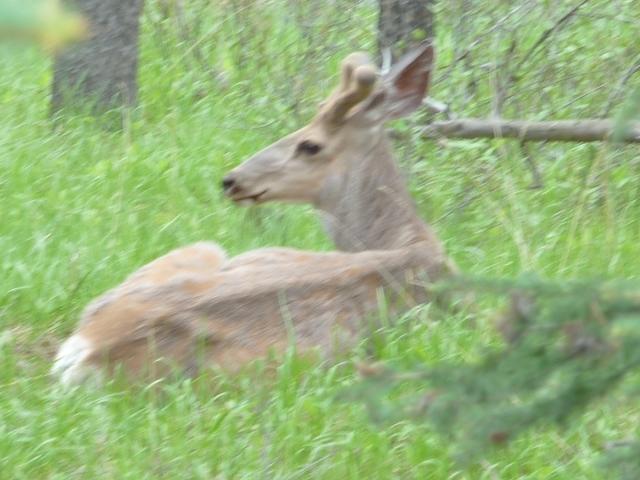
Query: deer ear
[[408, 81]]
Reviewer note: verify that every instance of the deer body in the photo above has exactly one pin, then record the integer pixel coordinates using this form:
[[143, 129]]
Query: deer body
[[194, 306]]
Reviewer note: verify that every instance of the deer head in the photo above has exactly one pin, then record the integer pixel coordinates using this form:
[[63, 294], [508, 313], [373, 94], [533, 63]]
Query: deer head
[[305, 165]]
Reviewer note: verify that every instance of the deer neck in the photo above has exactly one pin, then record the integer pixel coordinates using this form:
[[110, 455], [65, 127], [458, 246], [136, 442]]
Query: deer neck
[[366, 205]]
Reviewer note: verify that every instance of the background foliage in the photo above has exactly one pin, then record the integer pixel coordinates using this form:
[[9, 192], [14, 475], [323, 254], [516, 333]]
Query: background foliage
[[567, 345], [46, 22], [82, 207]]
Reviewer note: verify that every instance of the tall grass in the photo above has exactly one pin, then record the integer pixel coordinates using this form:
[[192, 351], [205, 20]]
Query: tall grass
[[81, 207]]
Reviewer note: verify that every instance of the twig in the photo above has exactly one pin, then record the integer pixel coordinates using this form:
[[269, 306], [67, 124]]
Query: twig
[[479, 39], [548, 32], [615, 93], [536, 181]]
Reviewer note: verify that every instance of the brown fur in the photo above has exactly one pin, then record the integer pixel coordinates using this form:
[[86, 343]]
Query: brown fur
[[194, 307]]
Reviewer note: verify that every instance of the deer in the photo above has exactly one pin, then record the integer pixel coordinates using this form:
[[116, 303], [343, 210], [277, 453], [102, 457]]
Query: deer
[[195, 307]]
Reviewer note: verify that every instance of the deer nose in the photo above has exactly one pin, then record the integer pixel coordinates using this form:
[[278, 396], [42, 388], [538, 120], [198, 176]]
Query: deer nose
[[228, 183]]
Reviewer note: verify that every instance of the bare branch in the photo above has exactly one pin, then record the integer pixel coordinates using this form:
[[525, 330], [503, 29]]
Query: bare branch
[[558, 131]]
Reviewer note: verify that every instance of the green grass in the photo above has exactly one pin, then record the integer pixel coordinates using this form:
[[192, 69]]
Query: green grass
[[82, 206]]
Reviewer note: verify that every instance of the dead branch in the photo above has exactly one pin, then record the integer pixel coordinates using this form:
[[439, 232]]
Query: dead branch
[[555, 131]]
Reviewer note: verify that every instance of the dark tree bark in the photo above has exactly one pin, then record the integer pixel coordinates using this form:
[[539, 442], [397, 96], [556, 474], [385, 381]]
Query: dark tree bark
[[102, 70], [403, 24]]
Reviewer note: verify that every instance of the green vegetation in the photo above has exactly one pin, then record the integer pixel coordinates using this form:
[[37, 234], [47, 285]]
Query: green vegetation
[[567, 345], [43, 21], [81, 207]]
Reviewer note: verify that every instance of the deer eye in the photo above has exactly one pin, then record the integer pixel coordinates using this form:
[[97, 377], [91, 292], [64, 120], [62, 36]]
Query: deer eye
[[308, 147]]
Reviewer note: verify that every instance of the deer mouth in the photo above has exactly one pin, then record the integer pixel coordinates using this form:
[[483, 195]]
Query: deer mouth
[[250, 199]]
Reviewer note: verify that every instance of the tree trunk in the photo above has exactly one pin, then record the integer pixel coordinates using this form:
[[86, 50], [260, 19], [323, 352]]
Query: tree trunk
[[402, 24], [102, 71]]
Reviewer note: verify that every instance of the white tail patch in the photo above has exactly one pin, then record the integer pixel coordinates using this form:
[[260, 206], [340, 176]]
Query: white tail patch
[[70, 366]]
